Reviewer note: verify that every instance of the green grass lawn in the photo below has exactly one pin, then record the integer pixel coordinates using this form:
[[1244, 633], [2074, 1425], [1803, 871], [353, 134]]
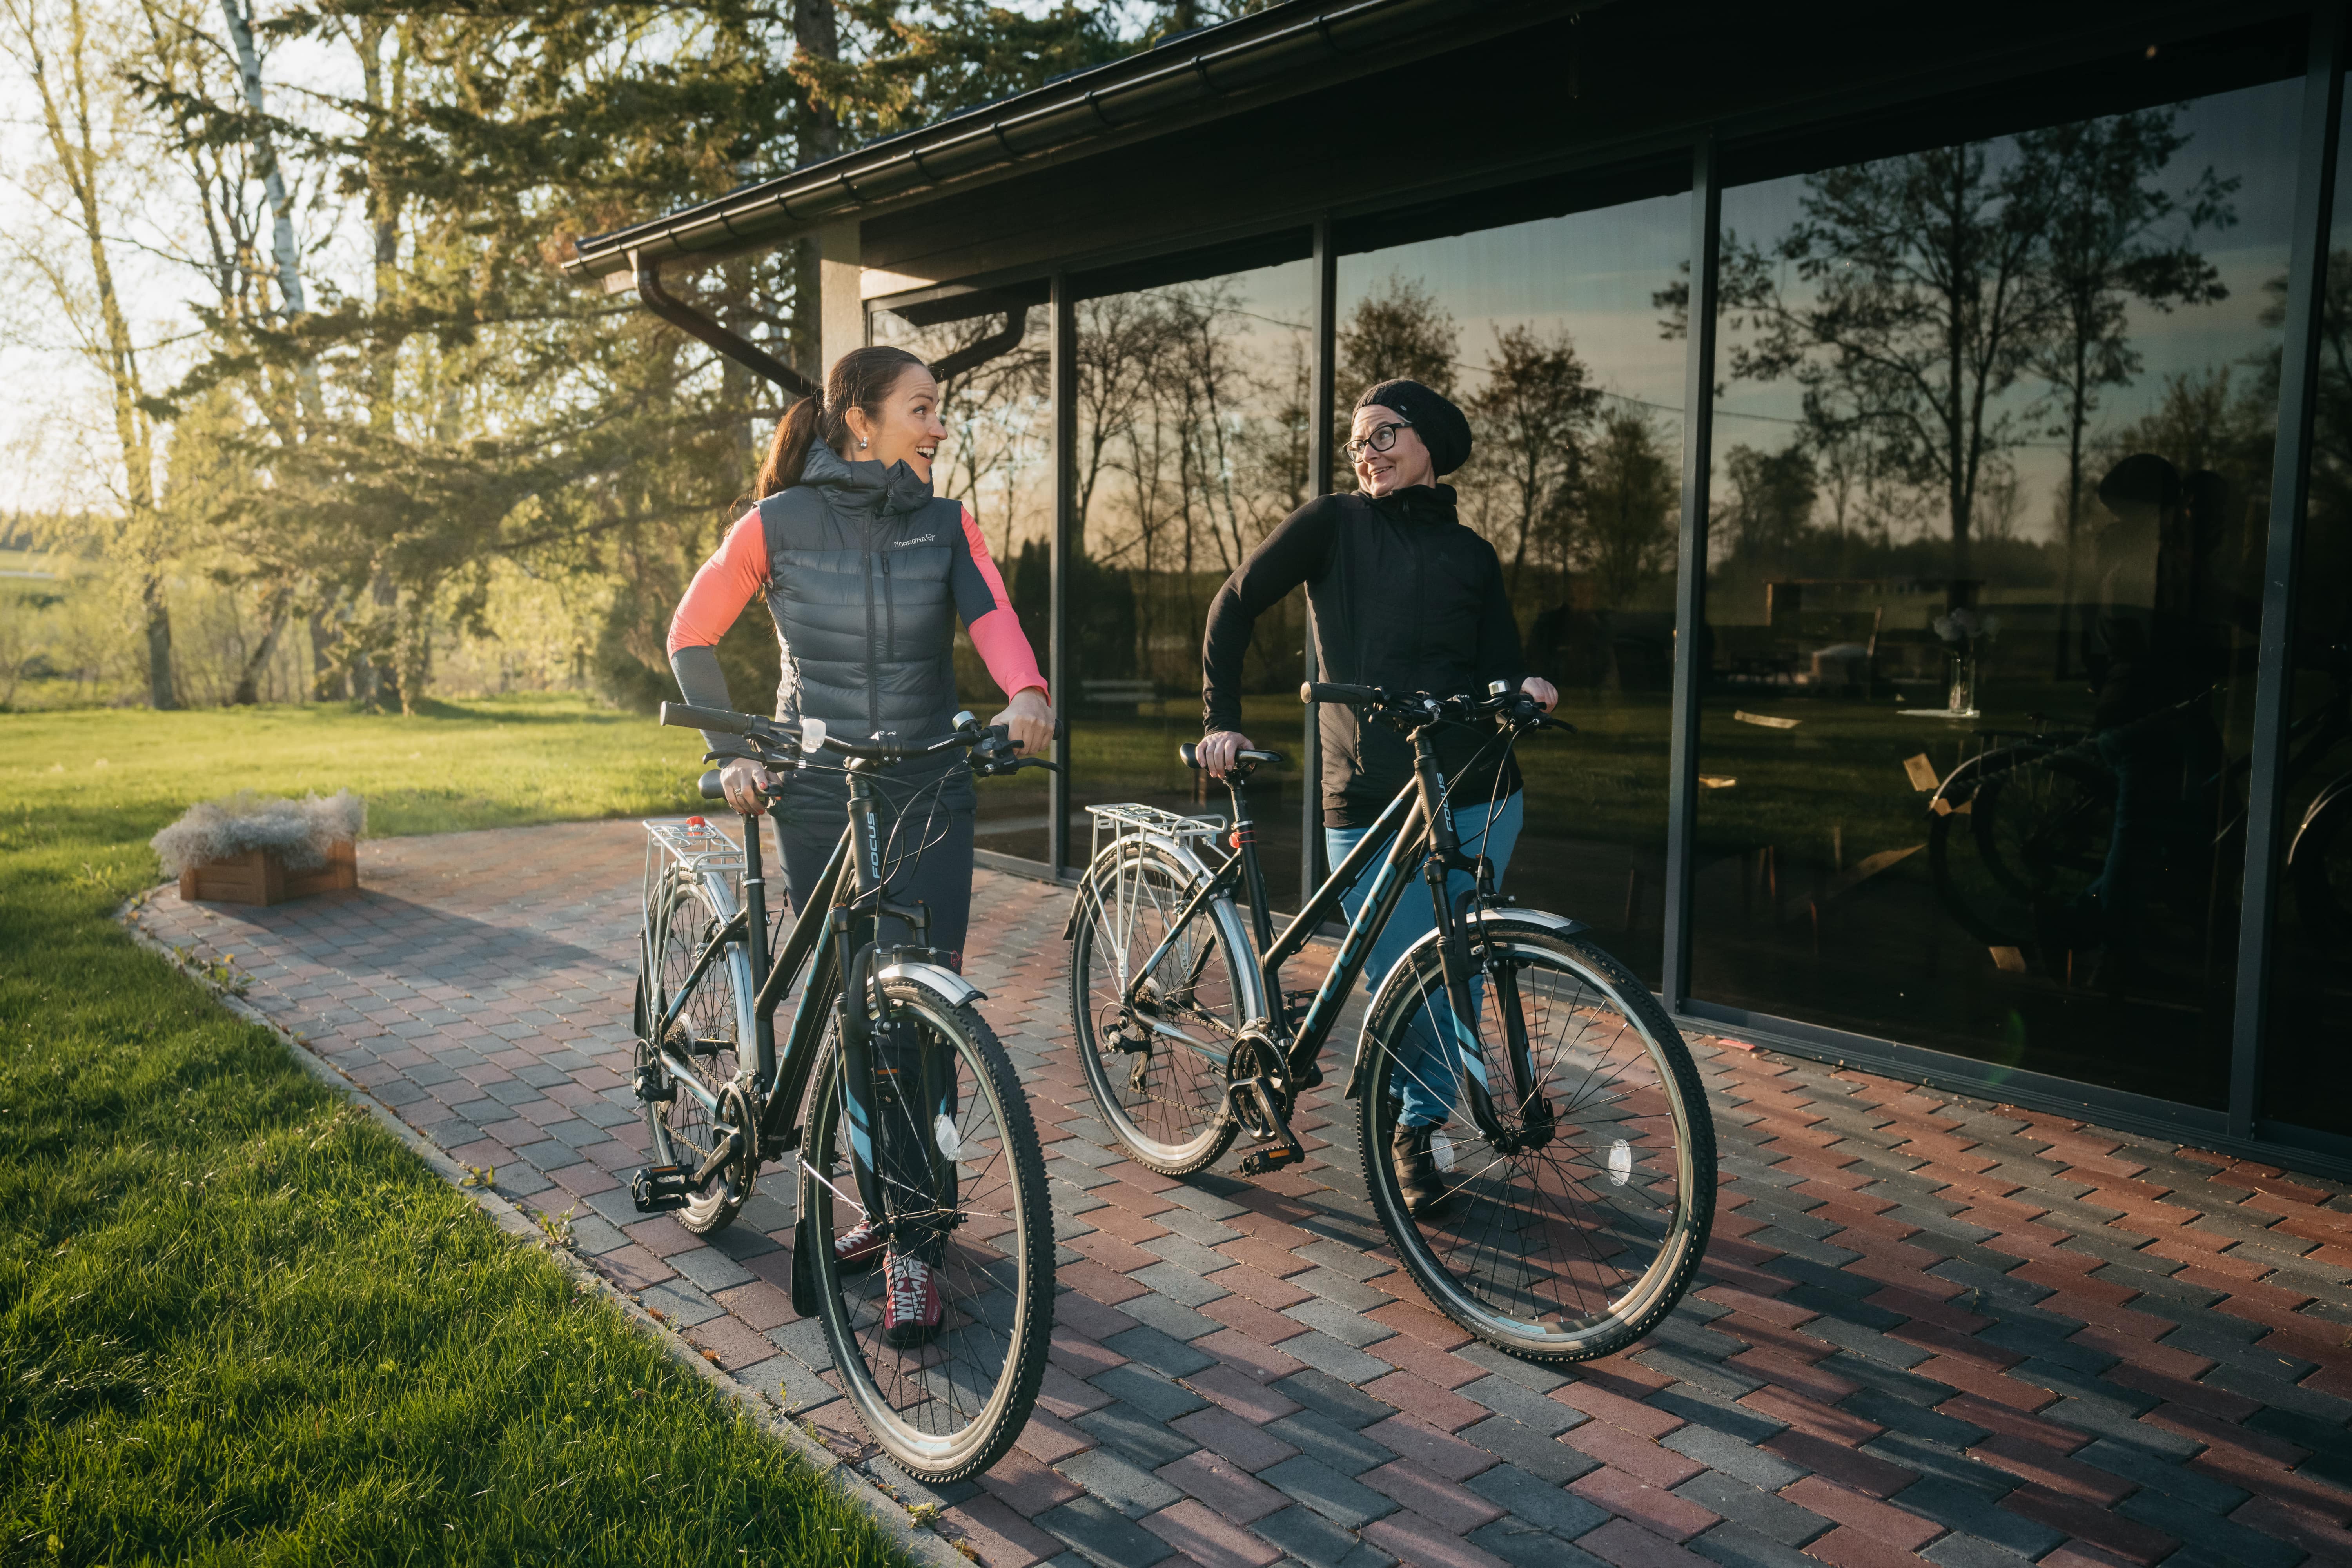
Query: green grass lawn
[[239, 1323]]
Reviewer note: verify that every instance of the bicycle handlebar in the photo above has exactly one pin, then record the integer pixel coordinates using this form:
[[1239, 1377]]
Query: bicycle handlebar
[[716, 719], [1189, 754], [1417, 707], [992, 759]]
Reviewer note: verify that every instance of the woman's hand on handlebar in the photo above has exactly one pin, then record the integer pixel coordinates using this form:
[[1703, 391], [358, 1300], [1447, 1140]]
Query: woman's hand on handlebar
[[1546, 694], [743, 781], [1029, 720], [1220, 748]]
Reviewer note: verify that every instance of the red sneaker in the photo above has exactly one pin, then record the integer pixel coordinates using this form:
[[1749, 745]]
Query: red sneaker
[[855, 1251], [910, 1307]]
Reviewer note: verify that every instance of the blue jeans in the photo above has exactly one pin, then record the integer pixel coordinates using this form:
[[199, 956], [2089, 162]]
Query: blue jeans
[[1428, 1086]]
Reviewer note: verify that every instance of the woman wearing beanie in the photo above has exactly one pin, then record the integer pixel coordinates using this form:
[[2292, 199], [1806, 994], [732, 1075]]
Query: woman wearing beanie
[[866, 573], [1405, 597]]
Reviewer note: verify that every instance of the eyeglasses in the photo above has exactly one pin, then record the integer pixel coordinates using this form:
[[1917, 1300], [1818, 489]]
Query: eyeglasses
[[1383, 437]]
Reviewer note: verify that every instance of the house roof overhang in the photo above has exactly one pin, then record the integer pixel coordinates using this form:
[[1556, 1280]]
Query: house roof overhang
[[1282, 52]]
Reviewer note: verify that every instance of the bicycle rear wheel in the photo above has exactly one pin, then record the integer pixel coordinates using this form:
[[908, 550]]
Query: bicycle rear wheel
[[1581, 1239], [1157, 1065], [2031, 837], [963, 1194], [705, 1036]]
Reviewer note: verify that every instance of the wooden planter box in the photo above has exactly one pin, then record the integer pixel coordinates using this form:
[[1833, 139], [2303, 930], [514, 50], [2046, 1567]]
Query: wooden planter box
[[259, 876]]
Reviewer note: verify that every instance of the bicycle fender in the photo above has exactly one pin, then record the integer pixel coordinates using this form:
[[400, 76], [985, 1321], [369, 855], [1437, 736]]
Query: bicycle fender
[[1500, 919], [2326, 800], [1180, 848], [951, 988]]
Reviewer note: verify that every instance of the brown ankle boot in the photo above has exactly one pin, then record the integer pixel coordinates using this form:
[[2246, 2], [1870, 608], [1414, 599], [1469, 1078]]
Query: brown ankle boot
[[1426, 1195]]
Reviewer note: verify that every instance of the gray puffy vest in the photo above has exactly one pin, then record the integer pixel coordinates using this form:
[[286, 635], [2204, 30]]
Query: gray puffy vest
[[858, 565]]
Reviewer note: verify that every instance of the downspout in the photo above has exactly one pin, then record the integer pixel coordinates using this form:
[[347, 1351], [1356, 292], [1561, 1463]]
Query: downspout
[[744, 351], [741, 350]]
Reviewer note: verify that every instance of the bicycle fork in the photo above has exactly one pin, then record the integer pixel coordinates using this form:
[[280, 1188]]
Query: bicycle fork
[[1464, 1058]]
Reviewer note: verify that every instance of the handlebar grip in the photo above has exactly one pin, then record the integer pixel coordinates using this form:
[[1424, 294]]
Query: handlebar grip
[[718, 720], [1188, 753], [1267, 759], [710, 787], [1314, 691]]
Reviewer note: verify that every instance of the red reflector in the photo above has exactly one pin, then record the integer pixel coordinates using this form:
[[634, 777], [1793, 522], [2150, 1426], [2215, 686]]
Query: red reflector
[[696, 822]]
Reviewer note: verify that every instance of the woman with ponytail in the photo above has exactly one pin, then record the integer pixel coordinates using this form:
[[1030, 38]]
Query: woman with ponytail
[[866, 572]]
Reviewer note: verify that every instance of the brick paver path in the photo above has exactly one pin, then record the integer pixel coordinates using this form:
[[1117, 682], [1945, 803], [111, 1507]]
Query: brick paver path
[[1927, 1327]]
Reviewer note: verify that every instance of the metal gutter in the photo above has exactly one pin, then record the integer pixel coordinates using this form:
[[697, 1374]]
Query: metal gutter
[[1275, 54]]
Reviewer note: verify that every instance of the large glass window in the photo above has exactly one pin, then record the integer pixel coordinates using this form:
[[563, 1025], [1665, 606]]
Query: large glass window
[[1193, 408], [1990, 466], [998, 460], [1546, 333], [2308, 1056]]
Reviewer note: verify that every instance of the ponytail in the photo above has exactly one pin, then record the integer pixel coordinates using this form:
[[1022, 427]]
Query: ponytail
[[862, 378]]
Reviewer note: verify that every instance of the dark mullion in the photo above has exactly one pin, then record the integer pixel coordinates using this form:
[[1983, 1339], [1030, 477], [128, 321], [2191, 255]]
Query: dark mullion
[[2323, 102], [1063, 358], [1319, 467], [1690, 568]]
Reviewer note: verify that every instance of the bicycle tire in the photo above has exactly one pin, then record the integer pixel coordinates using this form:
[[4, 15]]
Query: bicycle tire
[[2320, 865], [680, 1126], [1124, 900], [884, 1384], [2014, 849], [1434, 1249]]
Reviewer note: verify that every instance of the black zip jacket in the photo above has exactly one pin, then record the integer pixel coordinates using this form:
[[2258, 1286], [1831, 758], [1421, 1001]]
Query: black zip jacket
[[1405, 597]]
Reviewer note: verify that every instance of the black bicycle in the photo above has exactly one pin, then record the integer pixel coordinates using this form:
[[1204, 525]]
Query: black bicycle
[[1576, 1153], [2022, 829], [924, 1242]]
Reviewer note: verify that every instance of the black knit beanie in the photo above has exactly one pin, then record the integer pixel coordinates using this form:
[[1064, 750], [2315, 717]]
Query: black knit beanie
[[1440, 425]]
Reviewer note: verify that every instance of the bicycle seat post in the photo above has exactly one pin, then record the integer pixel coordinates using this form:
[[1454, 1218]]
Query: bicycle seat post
[[1244, 839]]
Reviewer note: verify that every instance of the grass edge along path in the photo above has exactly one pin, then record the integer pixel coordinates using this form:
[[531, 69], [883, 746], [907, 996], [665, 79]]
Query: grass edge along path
[[240, 1321], [896, 1517]]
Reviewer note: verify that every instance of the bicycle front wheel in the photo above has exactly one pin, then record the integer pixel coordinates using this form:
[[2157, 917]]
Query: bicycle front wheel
[[1575, 1234], [706, 1036], [1155, 1045], [937, 1309]]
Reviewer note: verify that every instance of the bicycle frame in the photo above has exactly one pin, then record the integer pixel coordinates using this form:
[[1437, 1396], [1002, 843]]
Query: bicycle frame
[[833, 906], [1414, 828]]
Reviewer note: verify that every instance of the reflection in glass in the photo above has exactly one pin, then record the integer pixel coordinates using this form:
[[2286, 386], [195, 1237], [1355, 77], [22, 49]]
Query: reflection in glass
[[1545, 332], [997, 460], [1192, 415], [2308, 1058], [1991, 459]]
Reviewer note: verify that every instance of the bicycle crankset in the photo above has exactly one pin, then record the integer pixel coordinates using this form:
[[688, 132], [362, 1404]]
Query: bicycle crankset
[[1258, 1096]]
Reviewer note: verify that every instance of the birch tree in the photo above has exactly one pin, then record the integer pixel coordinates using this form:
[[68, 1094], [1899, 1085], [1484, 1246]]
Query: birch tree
[[73, 87]]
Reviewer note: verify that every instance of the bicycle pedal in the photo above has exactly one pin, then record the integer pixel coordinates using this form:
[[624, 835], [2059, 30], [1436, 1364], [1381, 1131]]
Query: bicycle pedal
[[1266, 1162], [658, 1189]]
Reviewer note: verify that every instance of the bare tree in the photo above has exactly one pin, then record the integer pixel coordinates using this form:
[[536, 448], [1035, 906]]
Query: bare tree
[[1929, 303], [1631, 493], [1534, 412], [2105, 250], [51, 42]]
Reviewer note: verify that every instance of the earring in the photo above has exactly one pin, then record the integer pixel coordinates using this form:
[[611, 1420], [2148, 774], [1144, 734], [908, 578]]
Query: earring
[[861, 445]]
